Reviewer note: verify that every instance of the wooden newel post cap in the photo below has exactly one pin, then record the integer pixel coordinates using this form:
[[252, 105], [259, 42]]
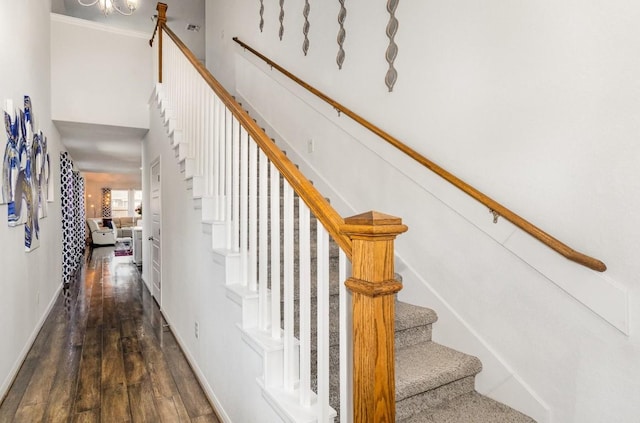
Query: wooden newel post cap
[[373, 224], [373, 234], [162, 12]]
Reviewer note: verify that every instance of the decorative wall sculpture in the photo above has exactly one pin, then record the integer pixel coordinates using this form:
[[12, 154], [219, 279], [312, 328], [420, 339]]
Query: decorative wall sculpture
[[26, 173], [305, 27], [342, 34], [261, 15], [281, 18], [392, 50]]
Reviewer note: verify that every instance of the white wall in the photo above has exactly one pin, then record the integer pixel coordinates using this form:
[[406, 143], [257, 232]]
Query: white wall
[[193, 290], [29, 282], [99, 74], [534, 104]]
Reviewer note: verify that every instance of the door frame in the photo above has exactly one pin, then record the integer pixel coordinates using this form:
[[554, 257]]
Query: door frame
[[156, 291]]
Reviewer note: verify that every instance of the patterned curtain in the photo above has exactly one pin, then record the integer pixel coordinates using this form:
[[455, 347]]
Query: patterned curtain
[[73, 218]]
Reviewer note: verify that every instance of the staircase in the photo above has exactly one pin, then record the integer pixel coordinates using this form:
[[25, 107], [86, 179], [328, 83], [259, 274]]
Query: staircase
[[433, 383]]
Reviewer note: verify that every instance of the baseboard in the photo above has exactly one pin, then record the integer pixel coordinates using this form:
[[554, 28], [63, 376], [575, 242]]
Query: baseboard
[[4, 389], [218, 408]]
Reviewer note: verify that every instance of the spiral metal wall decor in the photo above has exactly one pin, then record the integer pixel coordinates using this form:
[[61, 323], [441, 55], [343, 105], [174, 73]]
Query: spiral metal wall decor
[[281, 31], [261, 15], [392, 50], [305, 27], [342, 15]]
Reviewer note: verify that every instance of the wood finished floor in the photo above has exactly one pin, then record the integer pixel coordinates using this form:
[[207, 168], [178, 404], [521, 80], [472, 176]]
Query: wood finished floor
[[105, 355]]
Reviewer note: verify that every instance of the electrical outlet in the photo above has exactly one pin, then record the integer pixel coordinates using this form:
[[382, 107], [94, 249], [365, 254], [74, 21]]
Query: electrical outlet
[[196, 329], [310, 145]]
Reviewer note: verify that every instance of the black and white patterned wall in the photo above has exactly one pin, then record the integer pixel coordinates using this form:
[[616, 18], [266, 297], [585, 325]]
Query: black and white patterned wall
[[71, 190]]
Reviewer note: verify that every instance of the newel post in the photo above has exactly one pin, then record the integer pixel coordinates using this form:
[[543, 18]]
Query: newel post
[[162, 20], [373, 287]]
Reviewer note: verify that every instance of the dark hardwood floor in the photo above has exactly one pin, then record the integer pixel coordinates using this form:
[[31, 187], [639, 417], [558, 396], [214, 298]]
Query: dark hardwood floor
[[105, 354]]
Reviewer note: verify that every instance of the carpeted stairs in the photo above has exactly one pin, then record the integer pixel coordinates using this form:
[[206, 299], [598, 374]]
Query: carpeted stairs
[[434, 383]]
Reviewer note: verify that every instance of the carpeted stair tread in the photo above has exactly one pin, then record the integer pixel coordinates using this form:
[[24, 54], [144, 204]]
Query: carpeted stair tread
[[410, 316], [413, 324], [428, 365], [470, 408]]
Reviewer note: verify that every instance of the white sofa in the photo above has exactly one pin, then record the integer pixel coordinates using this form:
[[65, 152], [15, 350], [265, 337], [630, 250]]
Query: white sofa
[[99, 234]]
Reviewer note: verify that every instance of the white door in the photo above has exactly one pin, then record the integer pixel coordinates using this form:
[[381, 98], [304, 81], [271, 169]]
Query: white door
[[156, 224]]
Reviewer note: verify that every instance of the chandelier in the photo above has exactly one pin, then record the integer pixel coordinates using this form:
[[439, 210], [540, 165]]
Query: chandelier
[[124, 7]]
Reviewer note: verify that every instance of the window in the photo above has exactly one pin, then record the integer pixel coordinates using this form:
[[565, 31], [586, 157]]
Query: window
[[137, 199], [124, 202]]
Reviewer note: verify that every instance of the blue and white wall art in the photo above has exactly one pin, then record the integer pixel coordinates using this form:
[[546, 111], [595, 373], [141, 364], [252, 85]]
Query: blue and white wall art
[[26, 173]]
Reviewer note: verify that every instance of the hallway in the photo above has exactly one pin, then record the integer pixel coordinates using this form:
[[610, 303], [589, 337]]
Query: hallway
[[104, 354]]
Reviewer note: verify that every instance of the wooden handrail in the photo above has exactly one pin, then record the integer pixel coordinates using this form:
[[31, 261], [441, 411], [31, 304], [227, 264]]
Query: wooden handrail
[[495, 207], [316, 202]]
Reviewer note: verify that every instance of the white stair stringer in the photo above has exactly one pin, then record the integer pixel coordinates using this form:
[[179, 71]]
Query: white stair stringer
[[208, 206], [177, 137], [287, 405], [170, 123], [195, 184], [181, 147], [272, 353], [157, 95], [188, 167], [248, 302]]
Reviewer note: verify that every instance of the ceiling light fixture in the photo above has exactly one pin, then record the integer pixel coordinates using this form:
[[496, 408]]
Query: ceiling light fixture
[[124, 7]]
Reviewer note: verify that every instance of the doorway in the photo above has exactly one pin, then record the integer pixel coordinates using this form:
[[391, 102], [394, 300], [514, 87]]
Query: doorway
[[155, 238]]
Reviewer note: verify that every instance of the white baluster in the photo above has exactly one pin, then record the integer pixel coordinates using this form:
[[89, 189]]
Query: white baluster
[[346, 343], [290, 358], [216, 157], [180, 106], [263, 261], [305, 303], [253, 215], [206, 147], [322, 253], [275, 251], [203, 89], [192, 114], [197, 94], [235, 135], [244, 203], [211, 167], [222, 164], [189, 116], [172, 74], [229, 197], [184, 104]]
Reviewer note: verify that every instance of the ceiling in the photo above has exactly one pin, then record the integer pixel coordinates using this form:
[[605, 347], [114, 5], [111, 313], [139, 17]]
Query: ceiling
[[105, 149]]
